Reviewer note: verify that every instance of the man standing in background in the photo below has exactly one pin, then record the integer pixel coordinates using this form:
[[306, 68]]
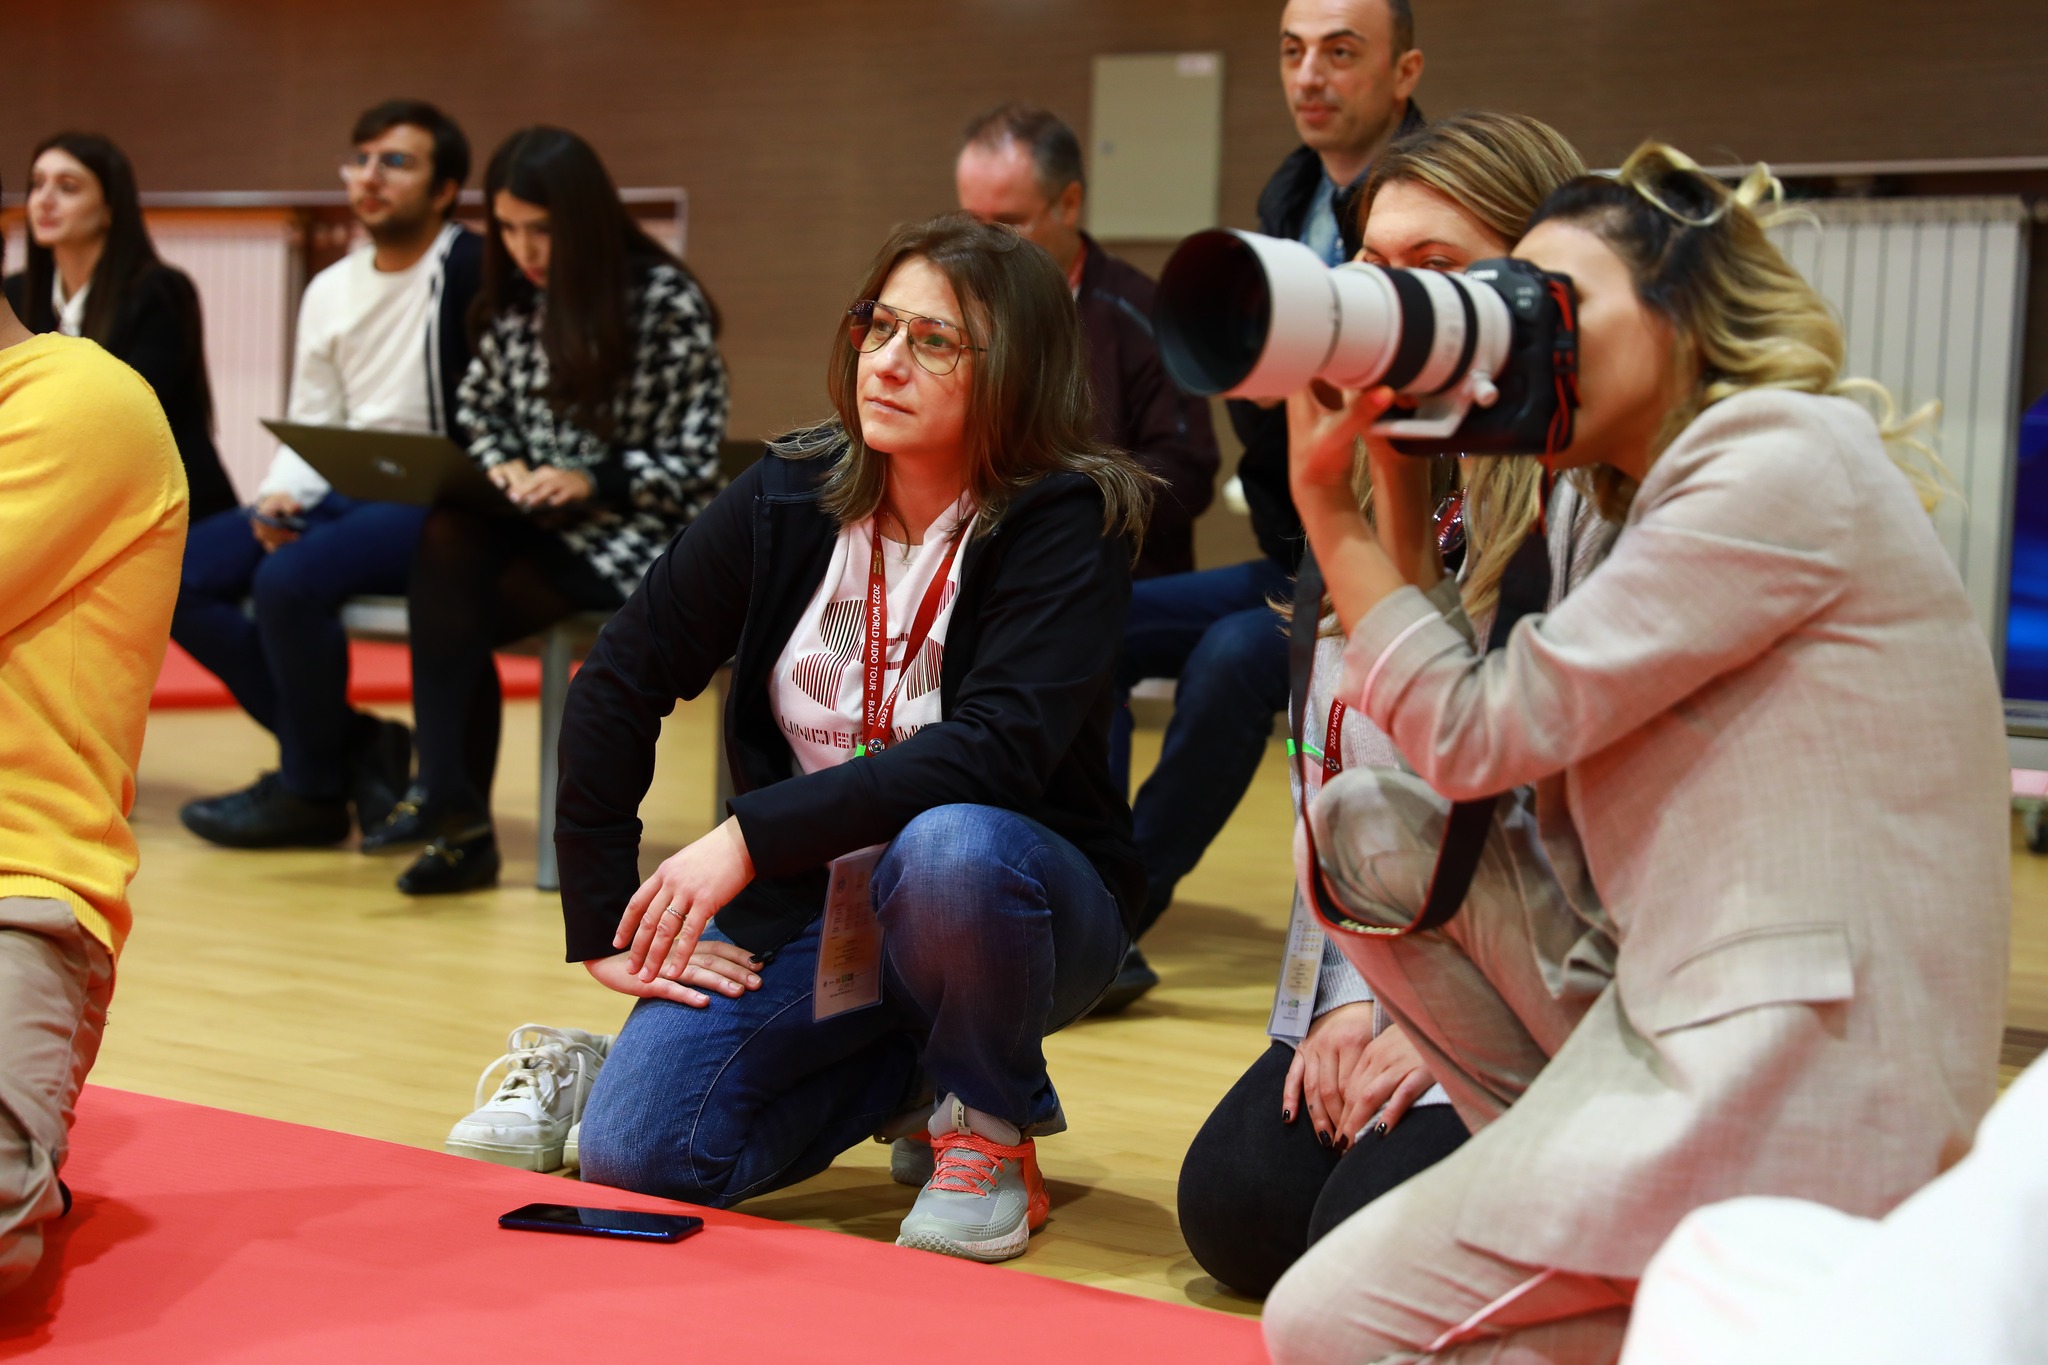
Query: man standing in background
[[1021, 167], [382, 341], [1348, 68], [92, 518]]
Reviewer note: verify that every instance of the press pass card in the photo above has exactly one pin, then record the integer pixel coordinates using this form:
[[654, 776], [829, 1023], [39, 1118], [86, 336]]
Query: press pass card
[[1294, 1001], [850, 948]]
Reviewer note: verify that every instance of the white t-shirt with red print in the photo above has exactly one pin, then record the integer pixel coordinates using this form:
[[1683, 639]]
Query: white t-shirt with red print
[[816, 692]]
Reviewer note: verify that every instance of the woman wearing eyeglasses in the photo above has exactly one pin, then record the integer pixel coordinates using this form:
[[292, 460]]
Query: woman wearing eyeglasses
[[596, 402], [927, 868], [93, 272]]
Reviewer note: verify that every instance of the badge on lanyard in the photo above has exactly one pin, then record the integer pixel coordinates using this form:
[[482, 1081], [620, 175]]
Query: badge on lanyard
[[1294, 997], [878, 706], [849, 973]]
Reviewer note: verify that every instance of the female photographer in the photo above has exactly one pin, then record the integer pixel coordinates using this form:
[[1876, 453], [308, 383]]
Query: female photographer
[[93, 272], [1776, 639], [1314, 1130], [922, 600], [596, 401]]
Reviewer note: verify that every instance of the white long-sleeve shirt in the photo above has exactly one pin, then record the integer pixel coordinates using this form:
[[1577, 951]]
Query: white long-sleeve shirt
[[365, 356]]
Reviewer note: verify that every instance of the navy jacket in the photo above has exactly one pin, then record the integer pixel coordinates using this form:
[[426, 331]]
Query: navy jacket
[[1025, 692], [1262, 472]]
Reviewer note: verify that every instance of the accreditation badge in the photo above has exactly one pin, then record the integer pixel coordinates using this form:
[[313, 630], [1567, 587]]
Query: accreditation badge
[[849, 973]]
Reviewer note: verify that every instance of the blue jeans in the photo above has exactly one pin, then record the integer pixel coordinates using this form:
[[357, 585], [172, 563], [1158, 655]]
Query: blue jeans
[[996, 932], [288, 667], [1215, 631]]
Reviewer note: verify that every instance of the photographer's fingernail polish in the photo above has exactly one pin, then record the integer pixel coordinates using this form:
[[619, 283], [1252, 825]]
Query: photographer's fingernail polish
[[1287, 1116], [1322, 1137], [1379, 1129]]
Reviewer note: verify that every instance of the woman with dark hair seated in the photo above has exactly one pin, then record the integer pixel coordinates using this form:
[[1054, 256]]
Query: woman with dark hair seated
[[93, 272], [596, 401], [927, 868]]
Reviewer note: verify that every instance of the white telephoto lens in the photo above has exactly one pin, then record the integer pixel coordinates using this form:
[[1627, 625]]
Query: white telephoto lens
[[1368, 326]]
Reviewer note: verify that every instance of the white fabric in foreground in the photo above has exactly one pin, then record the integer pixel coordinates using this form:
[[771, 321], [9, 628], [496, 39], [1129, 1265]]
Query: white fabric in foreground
[[1957, 1274]]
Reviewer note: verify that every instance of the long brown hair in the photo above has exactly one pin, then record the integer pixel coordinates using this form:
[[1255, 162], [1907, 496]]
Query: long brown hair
[[1030, 410], [1499, 168]]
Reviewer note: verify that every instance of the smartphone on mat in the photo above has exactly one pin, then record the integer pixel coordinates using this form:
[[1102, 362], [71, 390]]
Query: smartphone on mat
[[637, 1227]]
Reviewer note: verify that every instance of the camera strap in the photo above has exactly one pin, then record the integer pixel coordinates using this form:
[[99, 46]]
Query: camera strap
[[1524, 590]]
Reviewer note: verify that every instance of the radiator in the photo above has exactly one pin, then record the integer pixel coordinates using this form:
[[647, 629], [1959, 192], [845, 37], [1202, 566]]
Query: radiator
[[1931, 297], [244, 264]]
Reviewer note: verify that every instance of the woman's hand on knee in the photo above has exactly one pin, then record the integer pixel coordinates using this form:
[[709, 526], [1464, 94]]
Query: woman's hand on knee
[[1315, 1081], [670, 912], [617, 974], [1389, 1076]]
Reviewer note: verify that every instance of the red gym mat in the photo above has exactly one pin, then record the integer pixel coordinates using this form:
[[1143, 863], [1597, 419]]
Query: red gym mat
[[203, 1235], [377, 671]]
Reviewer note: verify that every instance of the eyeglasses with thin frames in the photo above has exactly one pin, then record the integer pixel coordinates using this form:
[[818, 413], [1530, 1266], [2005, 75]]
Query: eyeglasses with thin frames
[[363, 165], [935, 344]]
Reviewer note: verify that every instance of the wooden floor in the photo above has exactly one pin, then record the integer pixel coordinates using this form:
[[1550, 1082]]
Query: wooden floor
[[302, 986]]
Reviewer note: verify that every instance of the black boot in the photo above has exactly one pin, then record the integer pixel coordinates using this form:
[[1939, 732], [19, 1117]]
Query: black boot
[[1133, 979], [462, 861], [266, 816], [379, 767]]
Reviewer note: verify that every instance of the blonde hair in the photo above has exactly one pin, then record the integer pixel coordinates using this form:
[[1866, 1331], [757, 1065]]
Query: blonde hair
[[1499, 168], [1701, 259]]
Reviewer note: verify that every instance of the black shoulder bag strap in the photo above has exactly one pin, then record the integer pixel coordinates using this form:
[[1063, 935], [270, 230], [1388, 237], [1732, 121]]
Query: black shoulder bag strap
[[1524, 589]]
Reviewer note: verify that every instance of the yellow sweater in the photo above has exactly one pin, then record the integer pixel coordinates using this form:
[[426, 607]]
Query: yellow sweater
[[92, 531]]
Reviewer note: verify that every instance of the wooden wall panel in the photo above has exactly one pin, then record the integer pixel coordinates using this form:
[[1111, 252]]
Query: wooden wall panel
[[804, 129]]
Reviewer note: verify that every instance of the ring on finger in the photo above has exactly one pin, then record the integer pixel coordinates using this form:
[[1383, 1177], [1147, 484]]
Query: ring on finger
[[671, 910]]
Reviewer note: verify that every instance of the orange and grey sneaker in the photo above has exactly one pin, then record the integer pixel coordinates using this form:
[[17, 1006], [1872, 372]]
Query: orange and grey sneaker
[[985, 1197]]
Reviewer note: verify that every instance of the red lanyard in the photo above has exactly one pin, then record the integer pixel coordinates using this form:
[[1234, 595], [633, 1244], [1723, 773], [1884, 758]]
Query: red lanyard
[[1333, 748], [877, 709]]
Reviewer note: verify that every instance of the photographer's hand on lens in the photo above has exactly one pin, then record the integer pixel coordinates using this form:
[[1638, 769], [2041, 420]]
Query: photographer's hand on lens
[[669, 913], [1336, 1043], [1323, 428]]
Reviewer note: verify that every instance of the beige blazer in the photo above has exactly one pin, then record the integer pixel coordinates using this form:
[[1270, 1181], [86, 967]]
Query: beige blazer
[[1783, 750]]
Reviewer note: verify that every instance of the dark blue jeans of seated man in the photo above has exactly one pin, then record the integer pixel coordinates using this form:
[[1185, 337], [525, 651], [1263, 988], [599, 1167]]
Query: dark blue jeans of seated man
[[1216, 631], [996, 932], [288, 665]]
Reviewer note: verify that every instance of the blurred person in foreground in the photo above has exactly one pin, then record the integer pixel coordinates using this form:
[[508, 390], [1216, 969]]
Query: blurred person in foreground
[[92, 518]]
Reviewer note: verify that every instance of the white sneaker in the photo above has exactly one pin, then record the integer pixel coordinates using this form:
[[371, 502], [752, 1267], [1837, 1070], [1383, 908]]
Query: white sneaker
[[527, 1119], [572, 1157]]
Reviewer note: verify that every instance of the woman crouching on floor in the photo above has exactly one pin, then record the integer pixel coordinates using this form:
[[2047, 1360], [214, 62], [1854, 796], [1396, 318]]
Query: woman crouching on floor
[[926, 869]]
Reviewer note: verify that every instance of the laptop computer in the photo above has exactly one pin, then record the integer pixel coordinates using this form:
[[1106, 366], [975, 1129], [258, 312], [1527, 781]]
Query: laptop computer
[[422, 468]]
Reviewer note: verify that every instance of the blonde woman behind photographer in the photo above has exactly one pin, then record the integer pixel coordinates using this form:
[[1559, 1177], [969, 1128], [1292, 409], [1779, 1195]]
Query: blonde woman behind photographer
[[1776, 641], [1325, 1122]]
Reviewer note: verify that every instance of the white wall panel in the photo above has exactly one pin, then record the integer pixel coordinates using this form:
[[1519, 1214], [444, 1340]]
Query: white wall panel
[[1929, 294]]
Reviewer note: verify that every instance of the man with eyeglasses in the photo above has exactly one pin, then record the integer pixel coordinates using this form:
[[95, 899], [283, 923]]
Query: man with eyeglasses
[[382, 342], [1021, 166]]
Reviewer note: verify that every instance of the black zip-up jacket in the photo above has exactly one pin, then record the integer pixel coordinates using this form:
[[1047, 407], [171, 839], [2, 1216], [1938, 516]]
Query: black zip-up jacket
[[1025, 693], [1262, 472]]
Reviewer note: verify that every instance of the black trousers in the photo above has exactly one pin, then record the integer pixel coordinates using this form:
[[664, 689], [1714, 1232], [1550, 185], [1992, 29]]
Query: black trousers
[[1255, 1193], [479, 582]]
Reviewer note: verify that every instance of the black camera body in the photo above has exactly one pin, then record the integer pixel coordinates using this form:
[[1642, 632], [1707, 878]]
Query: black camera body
[[1536, 390], [1484, 362]]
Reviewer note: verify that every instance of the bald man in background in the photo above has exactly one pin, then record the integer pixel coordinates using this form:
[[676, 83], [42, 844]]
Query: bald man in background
[[1021, 166]]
